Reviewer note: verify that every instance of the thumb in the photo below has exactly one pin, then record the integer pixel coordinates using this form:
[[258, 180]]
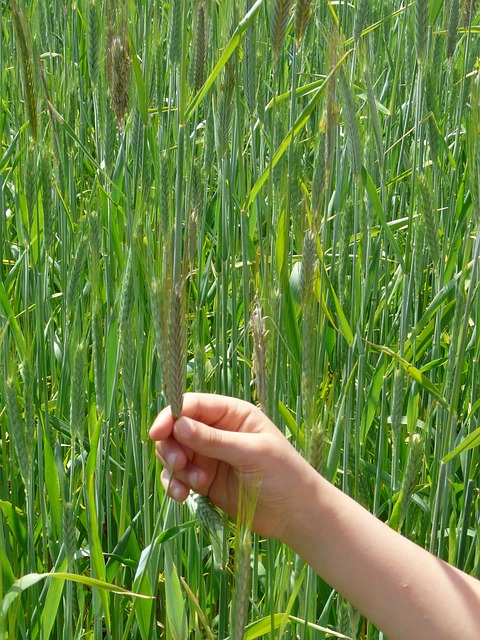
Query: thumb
[[227, 446]]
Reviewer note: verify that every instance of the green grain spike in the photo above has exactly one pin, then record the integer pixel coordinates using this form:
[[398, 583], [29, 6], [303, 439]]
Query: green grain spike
[[176, 362], [75, 276], [225, 108], [77, 393], [28, 396], [308, 266], [118, 72], [317, 449], [47, 184], [455, 332], [126, 332], [351, 125], [93, 41], [302, 16], [279, 23], [249, 67], [27, 65], [98, 356], [422, 9], [213, 521], [159, 78], [199, 44], [31, 182], [361, 18], [429, 219], [318, 183], [257, 327], [16, 428], [452, 30], [176, 32], [69, 535], [414, 466]]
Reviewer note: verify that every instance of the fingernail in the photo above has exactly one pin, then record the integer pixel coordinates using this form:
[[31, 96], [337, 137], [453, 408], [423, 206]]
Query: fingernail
[[193, 479], [176, 492], [171, 459], [184, 427]]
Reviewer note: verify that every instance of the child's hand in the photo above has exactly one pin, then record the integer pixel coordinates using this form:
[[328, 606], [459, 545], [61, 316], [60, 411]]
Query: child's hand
[[403, 589], [220, 441]]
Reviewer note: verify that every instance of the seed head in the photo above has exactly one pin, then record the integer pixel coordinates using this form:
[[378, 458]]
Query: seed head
[[118, 68]]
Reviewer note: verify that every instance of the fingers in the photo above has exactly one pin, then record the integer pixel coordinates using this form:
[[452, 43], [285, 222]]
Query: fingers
[[172, 455], [179, 484], [225, 446], [177, 442], [212, 430], [221, 412], [176, 489], [163, 425]]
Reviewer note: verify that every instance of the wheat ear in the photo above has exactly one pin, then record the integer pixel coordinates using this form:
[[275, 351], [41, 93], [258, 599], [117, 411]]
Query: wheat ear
[[176, 362]]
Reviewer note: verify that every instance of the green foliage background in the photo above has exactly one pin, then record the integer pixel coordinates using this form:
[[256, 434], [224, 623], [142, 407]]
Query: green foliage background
[[321, 158]]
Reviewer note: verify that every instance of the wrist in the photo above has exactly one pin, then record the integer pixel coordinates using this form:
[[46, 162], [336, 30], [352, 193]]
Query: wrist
[[305, 511]]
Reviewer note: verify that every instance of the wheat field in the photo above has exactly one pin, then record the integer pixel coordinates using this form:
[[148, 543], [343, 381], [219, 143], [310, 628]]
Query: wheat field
[[270, 199]]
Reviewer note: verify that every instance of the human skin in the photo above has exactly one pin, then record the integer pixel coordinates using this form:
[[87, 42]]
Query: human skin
[[220, 442]]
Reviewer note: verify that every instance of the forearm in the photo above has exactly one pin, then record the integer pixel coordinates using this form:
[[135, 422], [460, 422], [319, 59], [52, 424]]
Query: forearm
[[404, 590]]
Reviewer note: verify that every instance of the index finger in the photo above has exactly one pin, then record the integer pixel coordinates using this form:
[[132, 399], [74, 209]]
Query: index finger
[[221, 412]]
